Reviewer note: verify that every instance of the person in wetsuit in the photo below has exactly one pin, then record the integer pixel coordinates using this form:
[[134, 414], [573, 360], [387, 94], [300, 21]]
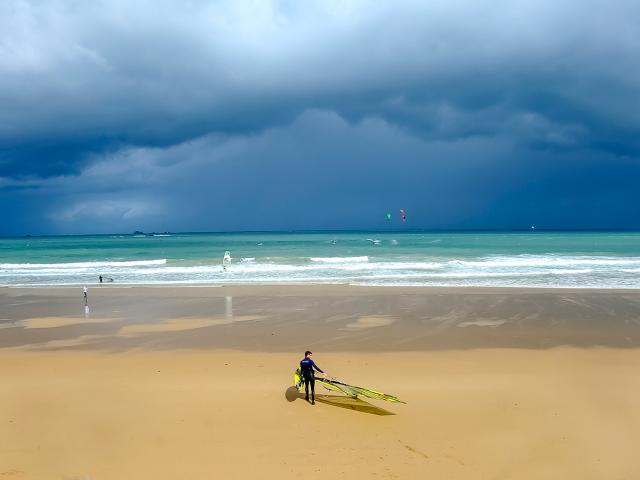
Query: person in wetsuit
[[307, 367]]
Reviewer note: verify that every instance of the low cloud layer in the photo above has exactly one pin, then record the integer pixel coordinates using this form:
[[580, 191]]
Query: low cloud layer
[[232, 115]]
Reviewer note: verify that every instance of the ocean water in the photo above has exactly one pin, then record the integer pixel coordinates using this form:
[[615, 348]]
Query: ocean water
[[508, 259]]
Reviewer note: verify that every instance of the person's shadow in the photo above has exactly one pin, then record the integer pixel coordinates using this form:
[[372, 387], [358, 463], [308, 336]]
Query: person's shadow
[[292, 394]]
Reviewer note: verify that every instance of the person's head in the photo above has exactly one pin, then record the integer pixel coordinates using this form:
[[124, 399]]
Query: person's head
[[307, 353]]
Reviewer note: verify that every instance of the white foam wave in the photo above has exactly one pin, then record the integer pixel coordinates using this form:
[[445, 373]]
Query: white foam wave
[[133, 263], [546, 261], [496, 270], [329, 267], [340, 259], [569, 271]]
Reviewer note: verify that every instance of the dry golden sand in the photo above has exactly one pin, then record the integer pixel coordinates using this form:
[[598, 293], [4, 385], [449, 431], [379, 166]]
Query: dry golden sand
[[146, 389], [560, 413]]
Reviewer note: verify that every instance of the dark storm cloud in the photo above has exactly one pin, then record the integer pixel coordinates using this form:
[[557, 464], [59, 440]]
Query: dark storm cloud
[[349, 177], [222, 115]]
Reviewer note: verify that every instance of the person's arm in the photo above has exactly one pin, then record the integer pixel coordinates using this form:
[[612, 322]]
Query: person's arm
[[316, 367]]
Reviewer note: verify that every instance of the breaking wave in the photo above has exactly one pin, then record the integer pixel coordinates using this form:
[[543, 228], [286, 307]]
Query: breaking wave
[[361, 259], [494, 270], [132, 263]]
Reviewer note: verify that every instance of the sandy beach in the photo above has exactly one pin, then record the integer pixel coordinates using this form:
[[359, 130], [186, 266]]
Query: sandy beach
[[195, 383]]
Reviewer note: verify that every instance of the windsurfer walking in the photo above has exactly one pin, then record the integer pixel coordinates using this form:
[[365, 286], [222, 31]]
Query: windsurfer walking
[[307, 367]]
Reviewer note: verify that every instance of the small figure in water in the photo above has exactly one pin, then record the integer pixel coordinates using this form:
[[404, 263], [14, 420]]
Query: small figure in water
[[307, 367], [100, 277], [226, 260]]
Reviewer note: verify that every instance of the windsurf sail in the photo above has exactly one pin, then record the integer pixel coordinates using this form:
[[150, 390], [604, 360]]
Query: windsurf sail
[[226, 259], [354, 391], [350, 390], [388, 216], [403, 214]]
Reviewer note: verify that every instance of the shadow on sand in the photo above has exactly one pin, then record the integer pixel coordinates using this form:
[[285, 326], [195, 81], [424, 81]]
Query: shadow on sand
[[350, 403]]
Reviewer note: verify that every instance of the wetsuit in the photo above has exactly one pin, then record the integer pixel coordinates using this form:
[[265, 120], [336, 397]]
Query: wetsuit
[[306, 368]]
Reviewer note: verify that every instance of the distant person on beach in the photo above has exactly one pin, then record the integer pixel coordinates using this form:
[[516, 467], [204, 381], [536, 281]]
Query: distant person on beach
[[307, 367], [84, 294], [100, 278]]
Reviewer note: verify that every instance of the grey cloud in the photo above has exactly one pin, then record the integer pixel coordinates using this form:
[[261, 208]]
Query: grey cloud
[[91, 77]]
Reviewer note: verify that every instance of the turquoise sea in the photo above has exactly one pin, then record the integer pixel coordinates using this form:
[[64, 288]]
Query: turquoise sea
[[532, 259]]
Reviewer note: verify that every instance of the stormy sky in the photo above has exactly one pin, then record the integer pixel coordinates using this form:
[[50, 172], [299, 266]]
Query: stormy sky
[[226, 115]]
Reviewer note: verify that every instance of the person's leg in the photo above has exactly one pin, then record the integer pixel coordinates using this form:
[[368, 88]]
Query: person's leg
[[306, 388], [313, 390]]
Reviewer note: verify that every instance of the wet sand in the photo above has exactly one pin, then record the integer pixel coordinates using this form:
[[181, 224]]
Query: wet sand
[[327, 318], [195, 383]]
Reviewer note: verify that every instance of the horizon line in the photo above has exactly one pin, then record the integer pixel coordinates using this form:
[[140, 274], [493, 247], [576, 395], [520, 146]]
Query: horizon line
[[310, 231]]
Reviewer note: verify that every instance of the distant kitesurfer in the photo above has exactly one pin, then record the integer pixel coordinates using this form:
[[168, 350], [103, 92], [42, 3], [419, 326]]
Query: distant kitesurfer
[[307, 367]]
